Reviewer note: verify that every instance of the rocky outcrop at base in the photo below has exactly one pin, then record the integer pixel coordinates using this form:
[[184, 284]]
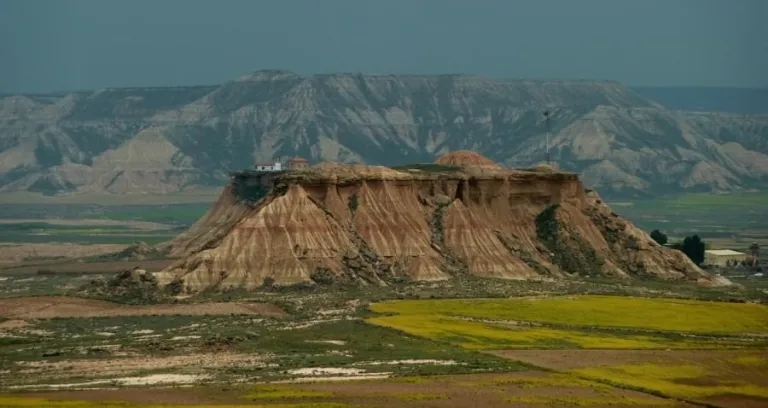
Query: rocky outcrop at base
[[134, 286], [373, 225]]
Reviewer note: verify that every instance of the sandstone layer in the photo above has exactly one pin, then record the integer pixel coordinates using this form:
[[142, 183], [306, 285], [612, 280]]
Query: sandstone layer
[[375, 225]]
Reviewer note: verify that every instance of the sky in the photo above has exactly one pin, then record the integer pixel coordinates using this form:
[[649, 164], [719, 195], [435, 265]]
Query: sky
[[62, 45]]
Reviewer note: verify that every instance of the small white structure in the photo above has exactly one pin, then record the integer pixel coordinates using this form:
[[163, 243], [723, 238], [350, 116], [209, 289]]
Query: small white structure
[[723, 257], [271, 166]]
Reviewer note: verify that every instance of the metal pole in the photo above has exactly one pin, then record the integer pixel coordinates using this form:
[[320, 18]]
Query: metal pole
[[546, 119]]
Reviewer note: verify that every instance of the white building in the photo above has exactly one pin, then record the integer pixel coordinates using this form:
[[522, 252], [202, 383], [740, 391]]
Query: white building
[[723, 257], [271, 166]]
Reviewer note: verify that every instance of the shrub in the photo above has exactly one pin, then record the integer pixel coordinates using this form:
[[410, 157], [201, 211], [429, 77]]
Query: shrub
[[353, 203], [659, 237]]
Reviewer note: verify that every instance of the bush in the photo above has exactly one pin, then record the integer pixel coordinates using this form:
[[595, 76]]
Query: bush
[[353, 203], [659, 237], [322, 276]]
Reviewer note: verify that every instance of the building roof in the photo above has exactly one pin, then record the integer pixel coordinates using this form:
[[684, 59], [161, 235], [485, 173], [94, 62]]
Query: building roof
[[298, 159], [267, 163], [721, 252]]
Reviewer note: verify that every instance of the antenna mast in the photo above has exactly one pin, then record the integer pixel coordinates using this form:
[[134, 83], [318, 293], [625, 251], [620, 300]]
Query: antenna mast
[[546, 119]]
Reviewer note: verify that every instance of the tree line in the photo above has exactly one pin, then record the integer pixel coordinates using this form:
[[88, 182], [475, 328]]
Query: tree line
[[692, 246]]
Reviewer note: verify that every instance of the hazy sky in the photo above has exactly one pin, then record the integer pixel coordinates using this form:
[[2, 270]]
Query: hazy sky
[[48, 45]]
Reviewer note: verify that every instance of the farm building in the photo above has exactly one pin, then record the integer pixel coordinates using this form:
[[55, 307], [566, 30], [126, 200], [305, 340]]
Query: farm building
[[271, 166], [298, 163], [723, 257]]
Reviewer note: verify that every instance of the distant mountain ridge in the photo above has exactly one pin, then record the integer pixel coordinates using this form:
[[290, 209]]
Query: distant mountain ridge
[[710, 99], [162, 140]]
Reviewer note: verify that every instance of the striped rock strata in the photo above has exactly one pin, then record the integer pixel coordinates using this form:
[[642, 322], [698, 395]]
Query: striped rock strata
[[374, 225]]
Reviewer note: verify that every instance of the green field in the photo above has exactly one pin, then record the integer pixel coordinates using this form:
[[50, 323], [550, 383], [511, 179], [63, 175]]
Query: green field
[[731, 221], [590, 322], [175, 214], [176, 217], [706, 202], [599, 311], [609, 323], [83, 235], [671, 379]]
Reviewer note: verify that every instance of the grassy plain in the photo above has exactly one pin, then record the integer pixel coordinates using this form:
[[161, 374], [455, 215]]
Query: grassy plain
[[203, 195], [43, 232], [119, 223], [331, 333], [719, 378], [599, 311], [600, 323], [590, 322], [732, 221]]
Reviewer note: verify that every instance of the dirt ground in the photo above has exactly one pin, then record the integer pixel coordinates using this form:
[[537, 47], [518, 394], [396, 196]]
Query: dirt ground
[[454, 391], [12, 254], [86, 267], [575, 359], [146, 396], [722, 368], [48, 307], [130, 365]]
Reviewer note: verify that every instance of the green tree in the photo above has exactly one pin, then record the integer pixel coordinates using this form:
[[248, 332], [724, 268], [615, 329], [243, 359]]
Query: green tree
[[659, 237], [694, 248]]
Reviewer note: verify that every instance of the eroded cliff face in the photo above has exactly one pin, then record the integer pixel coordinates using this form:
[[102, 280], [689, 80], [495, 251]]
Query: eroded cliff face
[[374, 225], [165, 140]]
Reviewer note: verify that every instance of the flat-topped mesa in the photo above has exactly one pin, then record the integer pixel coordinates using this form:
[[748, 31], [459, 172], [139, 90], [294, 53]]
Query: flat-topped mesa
[[374, 225]]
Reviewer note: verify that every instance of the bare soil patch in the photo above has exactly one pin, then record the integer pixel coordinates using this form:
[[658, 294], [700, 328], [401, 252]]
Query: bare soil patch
[[146, 396], [453, 391], [87, 267], [13, 324], [738, 401], [575, 359], [48, 307], [18, 253], [127, 365]]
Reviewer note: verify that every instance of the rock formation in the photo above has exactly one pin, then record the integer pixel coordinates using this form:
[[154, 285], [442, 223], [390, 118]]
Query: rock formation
[[373, 225], [164, 140], [464, 158]]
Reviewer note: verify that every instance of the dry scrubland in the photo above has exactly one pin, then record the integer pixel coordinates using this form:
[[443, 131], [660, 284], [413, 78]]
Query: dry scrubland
[[531, 351], [534, 389], [49, 307], [525, 347]]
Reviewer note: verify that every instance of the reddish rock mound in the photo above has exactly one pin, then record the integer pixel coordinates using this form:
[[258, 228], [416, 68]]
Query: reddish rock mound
[[465, 158], [373, 225]]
